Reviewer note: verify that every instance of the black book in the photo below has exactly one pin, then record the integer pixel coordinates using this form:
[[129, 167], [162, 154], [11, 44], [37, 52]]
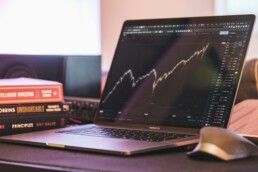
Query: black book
[[28, 123], [35, 108]]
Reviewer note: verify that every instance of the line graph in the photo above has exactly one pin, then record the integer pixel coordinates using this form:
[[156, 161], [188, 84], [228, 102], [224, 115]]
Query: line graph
[[153, 72]]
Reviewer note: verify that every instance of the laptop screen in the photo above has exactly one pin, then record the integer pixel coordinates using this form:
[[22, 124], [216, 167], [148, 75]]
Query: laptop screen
[[180, 72]]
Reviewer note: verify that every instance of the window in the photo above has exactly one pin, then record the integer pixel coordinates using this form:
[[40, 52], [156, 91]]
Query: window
[[225, 7], [50, 27]]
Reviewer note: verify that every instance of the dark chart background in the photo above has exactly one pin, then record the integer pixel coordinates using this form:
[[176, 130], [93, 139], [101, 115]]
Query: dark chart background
[[180, 76]]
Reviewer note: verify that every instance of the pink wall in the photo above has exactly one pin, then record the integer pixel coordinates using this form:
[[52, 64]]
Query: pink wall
[[115, 12]]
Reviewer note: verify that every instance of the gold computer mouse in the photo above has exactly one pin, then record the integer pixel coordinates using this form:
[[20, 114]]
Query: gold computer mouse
[[223, 144]]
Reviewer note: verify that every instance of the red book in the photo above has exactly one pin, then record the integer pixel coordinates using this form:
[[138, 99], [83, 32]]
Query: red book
[[29, 90]]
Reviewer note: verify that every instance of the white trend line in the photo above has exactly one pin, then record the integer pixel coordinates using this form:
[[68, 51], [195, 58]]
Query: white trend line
[[154, 72]]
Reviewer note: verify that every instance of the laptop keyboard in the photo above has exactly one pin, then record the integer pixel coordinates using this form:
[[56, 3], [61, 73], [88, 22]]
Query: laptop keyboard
[[152, 136]]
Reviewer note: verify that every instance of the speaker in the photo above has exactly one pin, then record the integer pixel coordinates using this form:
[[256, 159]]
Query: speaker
[[80, 75]]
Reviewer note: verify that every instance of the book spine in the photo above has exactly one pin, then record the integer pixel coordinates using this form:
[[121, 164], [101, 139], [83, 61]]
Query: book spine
[[31, 94], [35, 108], [30, 123]]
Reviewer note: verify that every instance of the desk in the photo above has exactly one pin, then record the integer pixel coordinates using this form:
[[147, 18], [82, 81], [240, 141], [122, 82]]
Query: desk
[[14, 157], [27, 158]]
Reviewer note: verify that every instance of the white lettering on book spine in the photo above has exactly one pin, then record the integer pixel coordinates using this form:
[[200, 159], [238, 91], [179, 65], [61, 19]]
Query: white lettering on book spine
[[7, 110], [53, 108], [8, 95], [23, 125], [46, 93], [26, 94]]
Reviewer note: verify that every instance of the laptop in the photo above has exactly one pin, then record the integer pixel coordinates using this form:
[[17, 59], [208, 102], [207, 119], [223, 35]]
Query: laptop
[[168, 79]]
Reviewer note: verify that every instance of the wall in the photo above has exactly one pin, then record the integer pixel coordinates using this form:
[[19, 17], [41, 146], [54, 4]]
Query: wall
[[232, 7], [115, 12]]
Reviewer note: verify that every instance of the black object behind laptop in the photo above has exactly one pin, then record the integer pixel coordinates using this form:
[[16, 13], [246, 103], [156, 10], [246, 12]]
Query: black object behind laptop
[[169, 78]]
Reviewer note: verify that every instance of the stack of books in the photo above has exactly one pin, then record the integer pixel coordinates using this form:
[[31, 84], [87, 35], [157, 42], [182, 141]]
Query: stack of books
[[28, 105]]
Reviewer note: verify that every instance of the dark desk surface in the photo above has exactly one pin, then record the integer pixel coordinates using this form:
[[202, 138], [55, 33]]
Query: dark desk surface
[[26, 158]]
